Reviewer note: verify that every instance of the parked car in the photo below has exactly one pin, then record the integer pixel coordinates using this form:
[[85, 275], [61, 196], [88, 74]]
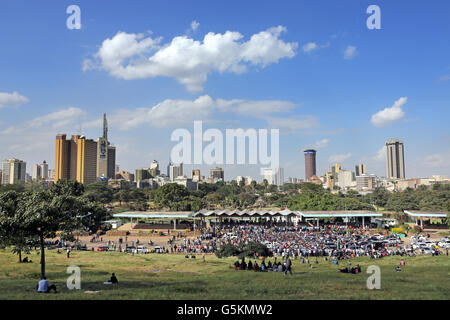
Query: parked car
[[101, 249], [142, 249]]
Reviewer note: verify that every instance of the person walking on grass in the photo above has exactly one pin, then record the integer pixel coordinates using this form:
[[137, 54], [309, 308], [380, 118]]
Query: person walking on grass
[[288, 266], [68, 252]]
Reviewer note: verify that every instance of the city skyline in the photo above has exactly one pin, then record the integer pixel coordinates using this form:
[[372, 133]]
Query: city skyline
[[326, 81]]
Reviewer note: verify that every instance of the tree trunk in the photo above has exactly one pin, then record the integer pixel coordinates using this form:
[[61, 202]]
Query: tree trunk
[[41, 237], [20, 256]]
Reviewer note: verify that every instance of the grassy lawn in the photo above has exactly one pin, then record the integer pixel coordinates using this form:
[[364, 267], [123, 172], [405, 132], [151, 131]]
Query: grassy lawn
[[157, 276]]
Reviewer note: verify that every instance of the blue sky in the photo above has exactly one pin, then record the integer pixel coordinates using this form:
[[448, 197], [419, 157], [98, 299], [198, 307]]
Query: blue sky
[[323, 80]]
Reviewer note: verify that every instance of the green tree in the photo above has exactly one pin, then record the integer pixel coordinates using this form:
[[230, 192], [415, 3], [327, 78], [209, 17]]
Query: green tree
[[169, 196]]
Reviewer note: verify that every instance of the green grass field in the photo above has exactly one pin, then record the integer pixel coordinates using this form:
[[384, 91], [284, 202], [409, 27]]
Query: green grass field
[[157, 276]]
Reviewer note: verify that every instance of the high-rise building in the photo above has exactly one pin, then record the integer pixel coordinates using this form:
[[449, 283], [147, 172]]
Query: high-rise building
[[13, 171], [195, 174], [36, 172], [395, 161], [106, 154], [346, 179], [175, 171], [365, 182], [44, 170], [216, 174], [310, 163], [75, 159], [40, 171], [274, 176], [86, 160], [142, 174], [360, 169]]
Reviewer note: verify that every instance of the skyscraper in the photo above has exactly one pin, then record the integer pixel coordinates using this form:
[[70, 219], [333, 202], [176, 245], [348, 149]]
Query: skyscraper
[[216, 174], [310, 163], [395, 161], [13, 171], [75, 159], [106, 154], [360, 169], [86, 160], [175, 171]]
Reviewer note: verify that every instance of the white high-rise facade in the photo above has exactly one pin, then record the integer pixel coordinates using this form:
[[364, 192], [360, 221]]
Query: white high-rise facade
[[395, 160]]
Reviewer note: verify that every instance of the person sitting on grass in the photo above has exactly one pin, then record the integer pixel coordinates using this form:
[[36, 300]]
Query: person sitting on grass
[[44, 287], [263, 266], [243, 264], [112, 280], [275, 267], [269, 265], [256, 266], [280, 267], [398, 269], [250, 265], [237, 265]]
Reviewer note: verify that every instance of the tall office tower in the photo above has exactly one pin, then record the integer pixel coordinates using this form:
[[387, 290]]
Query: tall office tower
[[36, 172], [86, 160], [168, 169], [142, 174], [154, 165], [395, 161], [195, 174], [44, 170], [13, 171], [310, 163], [216, 174], [268, 175], [274, 176], [175, 171], [360, 169], [154, 168], [106, 154]]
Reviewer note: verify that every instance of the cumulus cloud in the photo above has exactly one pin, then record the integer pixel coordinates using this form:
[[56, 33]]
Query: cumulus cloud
[[11, 99], [319, 144], [339, 157], [194, 25], [389, 115], [59, 119], [350, 52], [134, 56], [171, 113]]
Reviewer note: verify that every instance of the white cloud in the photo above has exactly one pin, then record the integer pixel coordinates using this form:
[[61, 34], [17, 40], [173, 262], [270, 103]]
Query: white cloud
[[171, 113], [292, 123], [127, 56], [310, 46], [339, 157], [11, 99], [194, 25], [381, 154], [350, 52], [434, 160], [389, 115], [318, 145], [59, 119]]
